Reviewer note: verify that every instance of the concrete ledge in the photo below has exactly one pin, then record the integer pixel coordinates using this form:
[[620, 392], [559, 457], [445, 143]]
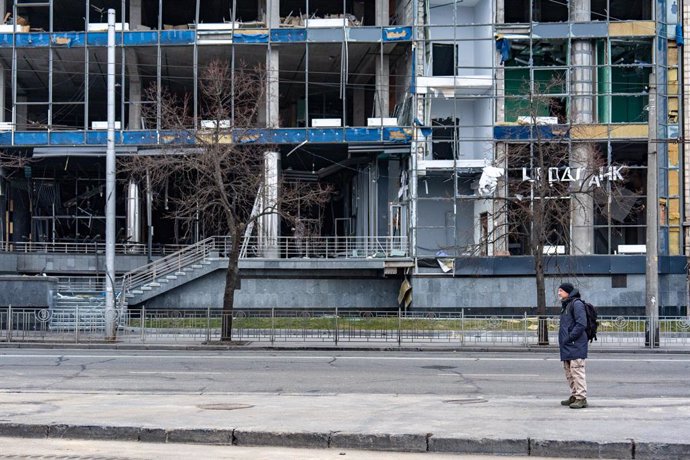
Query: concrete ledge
[[200, 436], [362, 441], [152, 435], [655, 450], [282, 439], [110, 433], [480, 446], [19, 430], [581, 449], [380, 441]]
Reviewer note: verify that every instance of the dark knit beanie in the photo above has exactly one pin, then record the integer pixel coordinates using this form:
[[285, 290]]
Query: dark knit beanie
[[567, 287]]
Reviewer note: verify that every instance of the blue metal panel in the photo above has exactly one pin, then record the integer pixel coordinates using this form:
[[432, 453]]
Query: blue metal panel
[[396, 34], [362, 134], [177, 137], [177, 37], [326, 135], [288, 35], [30, 137], [6, 40], [34, 40], [99, 137], [403, 135], [252, 136], [6, 138], [289, 136], [147, 38], [101, 38], [67, 138], [530, 132], [139, 137], [250, 36], [69, 39]]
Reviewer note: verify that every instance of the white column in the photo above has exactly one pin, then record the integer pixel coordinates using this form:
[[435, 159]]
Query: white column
[[133, 213], [268, 223]]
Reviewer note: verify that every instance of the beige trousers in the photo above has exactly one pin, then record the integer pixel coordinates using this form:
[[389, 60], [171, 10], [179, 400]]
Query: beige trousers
[[575, 374]]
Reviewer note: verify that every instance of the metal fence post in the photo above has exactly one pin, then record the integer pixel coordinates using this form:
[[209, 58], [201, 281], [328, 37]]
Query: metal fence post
[[208, 324], [336, 326], [76, 324], [524, 329], [9, 323], [462, 327], [399, 326], [273, 324], [143, 323]]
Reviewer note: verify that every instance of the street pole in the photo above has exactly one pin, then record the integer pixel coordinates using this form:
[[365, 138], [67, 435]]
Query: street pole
[[110, 188], [652, 267]]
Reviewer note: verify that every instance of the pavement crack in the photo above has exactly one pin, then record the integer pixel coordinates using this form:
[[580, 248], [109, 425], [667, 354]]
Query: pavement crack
[[330, 363]]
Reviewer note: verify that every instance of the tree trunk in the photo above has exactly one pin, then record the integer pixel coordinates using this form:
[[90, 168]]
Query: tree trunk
[[231, 279], [542, 326]]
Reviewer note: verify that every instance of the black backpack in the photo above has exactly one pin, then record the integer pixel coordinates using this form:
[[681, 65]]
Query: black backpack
[[592, 320]]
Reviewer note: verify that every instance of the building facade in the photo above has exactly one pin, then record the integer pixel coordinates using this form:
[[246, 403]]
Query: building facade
[[424, 116]]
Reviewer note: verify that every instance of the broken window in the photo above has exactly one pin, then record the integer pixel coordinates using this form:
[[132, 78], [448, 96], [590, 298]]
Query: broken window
[[443, 57], [631, 65], [444, 138], [546, 81], [619, 206], [621, 10], [518, 11]]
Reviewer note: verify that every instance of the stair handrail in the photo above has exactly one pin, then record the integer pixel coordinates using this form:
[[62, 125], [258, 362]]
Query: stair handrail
[[172, 263]]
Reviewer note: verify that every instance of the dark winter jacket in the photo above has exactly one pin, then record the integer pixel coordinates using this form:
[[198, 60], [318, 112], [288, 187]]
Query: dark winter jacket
[[572, 337]]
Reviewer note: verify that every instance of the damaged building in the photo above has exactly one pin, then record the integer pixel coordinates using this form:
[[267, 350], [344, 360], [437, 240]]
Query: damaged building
[[410, 110]]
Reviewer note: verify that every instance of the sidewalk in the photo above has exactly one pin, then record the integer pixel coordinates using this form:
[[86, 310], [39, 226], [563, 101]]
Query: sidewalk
[[650, 428]]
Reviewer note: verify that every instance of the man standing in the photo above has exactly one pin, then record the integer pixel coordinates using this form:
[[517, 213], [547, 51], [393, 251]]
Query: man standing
[[572, 340]]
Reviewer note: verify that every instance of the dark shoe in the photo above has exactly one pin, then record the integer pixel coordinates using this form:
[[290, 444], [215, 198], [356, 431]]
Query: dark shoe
[[579, 404], [569, 401]]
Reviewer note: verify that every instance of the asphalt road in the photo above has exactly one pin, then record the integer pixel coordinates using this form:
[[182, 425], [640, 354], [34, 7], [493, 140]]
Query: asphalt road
[[319, 372]]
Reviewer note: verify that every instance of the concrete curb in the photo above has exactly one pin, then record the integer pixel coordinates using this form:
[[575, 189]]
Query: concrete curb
[[628, 449], [301, 347]]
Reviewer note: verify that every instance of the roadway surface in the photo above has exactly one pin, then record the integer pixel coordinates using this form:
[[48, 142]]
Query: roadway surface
[[319, 372], [458, 402]]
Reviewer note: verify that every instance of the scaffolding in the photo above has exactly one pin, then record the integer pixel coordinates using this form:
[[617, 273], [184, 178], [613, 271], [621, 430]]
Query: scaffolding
[[400, 105]]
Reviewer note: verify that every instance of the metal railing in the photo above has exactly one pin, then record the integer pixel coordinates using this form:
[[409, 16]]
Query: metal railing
[[330, 247], [322, 247], [168, 265], [326, 326], [88, 248]]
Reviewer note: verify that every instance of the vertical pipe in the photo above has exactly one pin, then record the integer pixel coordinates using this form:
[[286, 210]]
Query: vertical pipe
[[110, 187]]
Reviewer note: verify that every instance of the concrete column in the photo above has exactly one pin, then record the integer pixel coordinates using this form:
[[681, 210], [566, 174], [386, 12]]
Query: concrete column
[[382, 65], [134, 14], [22, 111], [582, 110], [134, 87], [359, 116], [382, 87], [382, 13], [272, 106], [272, 10], [499, 239]]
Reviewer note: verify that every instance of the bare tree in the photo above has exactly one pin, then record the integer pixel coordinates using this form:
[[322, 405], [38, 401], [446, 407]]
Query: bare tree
[[221, 178]]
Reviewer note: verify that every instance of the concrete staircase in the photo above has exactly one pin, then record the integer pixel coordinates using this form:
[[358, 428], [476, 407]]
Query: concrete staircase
[[165, 274]]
